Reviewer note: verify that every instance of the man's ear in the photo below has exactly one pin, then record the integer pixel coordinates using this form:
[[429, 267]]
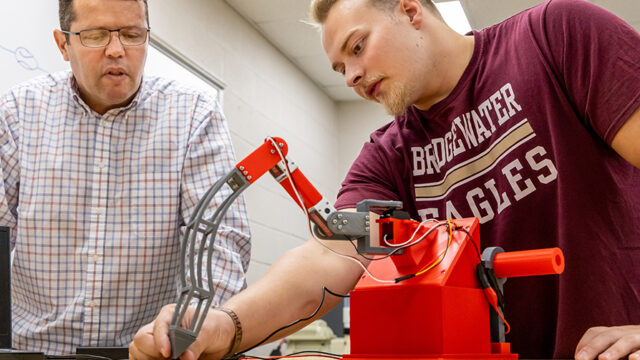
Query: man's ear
[[413, 10], [61, 41]]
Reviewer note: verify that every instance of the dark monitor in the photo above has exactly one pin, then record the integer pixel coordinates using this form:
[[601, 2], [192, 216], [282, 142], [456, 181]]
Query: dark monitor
[[5, 289]]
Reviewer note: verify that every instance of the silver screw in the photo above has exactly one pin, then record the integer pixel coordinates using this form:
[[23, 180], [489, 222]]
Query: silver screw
[[245, 172], [339, 216], [335, 221], [280, 144], [339, 227], [345, 222], [249, 177], [241, 168]]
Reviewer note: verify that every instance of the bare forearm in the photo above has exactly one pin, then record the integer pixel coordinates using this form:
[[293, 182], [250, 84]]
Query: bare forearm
[[292, 289]]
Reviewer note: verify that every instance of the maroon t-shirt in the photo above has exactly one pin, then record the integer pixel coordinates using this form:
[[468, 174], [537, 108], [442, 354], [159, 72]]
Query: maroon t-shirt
[[522, 143]]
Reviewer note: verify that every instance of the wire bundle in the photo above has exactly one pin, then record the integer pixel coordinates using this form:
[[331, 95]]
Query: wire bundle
[[450, 224]]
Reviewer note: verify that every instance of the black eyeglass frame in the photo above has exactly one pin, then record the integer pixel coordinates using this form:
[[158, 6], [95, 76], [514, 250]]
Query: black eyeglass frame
[[148, 30]]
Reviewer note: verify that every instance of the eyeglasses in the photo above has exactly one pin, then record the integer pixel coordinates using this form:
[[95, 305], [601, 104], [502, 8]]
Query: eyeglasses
[[95, 38]]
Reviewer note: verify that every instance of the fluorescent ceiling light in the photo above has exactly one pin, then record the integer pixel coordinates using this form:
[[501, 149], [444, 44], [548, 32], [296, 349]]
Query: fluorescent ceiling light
[[454, 16]]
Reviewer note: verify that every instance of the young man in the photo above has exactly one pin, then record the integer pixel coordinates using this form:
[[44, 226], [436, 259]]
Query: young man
[[101, 169], [530, 125]]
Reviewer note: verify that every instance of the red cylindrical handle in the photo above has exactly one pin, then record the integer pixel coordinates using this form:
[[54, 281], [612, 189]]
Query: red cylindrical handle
[[529, 263]]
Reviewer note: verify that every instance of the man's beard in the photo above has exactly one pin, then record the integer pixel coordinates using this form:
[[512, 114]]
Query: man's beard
[[396, 100]]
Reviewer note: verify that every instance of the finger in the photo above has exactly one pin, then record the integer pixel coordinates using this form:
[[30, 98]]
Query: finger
[[188, 355], [210, 344], [160, 330], [143, 345], [588, 347], [635, 355], [626, 344], [135, 353], [589, 335], [194, 350]]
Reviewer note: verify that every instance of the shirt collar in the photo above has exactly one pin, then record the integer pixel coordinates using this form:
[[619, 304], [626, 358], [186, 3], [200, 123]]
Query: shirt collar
[[142, 94]]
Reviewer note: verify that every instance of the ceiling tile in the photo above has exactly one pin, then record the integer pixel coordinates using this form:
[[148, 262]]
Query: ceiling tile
[[270, 10], [293, 37], [318, 68]]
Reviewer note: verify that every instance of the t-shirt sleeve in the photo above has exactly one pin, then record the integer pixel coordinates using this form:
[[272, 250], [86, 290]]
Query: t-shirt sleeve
[[368, 178], [597, 56]]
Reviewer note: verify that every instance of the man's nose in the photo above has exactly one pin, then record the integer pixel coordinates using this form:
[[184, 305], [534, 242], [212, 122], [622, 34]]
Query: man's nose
[[354, 76], [114, 48]]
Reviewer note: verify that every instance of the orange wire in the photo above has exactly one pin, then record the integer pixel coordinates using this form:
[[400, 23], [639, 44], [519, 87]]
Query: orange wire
[[441, 257]]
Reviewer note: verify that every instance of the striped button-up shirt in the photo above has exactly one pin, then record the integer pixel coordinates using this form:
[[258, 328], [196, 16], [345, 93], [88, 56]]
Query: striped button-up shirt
[[97, 205]]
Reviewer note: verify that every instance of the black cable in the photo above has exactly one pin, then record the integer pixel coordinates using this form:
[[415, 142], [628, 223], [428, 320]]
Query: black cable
[[471, 239], [334, 294], [324, 290], [78, 357]]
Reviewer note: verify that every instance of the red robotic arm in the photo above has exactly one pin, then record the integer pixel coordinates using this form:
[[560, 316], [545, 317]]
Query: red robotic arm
[[270, 156]]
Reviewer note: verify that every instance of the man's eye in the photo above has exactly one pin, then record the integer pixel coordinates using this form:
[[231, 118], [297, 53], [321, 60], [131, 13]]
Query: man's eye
[[132, 36], [357, 48], [95, 35]]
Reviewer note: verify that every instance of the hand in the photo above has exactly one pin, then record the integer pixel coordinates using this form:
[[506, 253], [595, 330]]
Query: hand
[[609, 343], [213, 341]]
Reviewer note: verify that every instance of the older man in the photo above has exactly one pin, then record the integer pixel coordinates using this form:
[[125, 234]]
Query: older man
[[101, 169]]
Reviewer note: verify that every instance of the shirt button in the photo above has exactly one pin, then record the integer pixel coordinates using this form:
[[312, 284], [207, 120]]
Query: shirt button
[[102, 164], [94, 258], [97, 211], [91, 304]]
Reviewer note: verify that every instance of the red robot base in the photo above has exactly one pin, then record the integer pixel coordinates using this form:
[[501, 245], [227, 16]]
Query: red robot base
[[445, 312]]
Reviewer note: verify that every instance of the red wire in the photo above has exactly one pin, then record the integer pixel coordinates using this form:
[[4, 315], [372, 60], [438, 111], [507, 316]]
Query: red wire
[[505, 321]]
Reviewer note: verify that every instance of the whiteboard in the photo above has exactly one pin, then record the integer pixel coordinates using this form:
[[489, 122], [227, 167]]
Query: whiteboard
[[28, 49]]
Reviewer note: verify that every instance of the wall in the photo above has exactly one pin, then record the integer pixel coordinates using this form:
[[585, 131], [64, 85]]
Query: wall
[[266, 95], [356, 120], [27, 48]]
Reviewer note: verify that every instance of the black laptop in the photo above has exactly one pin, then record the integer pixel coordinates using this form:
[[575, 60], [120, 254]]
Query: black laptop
[[5, 289]]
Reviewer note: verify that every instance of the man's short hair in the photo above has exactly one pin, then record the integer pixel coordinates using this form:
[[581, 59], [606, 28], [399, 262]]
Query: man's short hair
[[320, 8], [67, 15]]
